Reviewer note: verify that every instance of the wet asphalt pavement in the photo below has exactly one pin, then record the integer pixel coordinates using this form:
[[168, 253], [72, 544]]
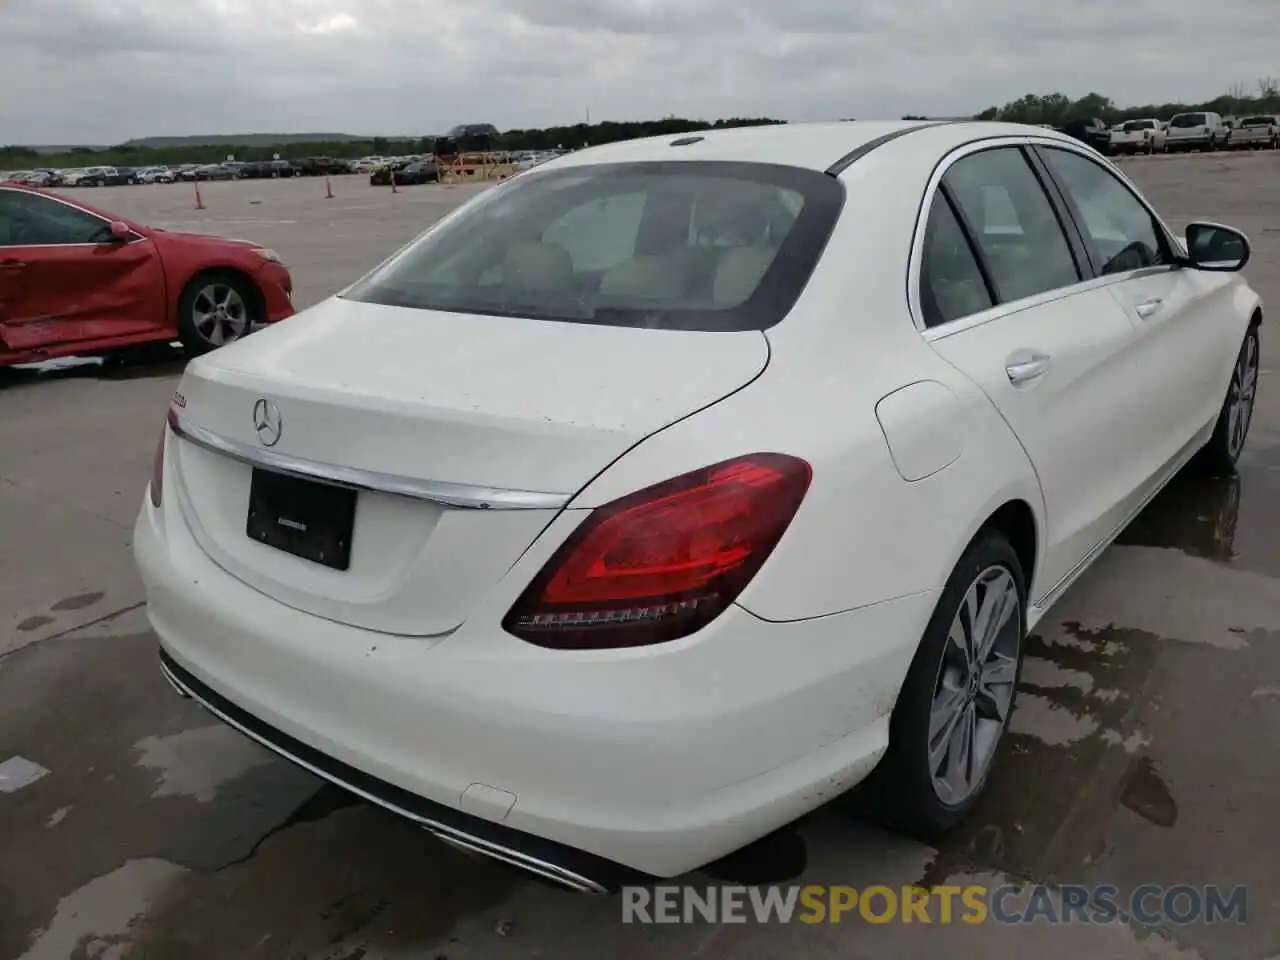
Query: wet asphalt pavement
[[1146, 745]]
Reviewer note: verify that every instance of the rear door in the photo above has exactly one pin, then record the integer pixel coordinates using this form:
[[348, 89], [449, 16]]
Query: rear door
[[73, 286], [1178, 313], [1009, 298]]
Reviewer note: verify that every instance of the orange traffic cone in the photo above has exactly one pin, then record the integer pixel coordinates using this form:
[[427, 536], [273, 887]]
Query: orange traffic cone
[[328, 189], [199, 202]]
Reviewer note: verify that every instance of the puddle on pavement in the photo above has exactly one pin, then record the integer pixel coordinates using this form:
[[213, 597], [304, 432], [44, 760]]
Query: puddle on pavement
[[778, 858], [1046, 808], [1227, 519], [1076, 749], [359, 878], [1147, 795]]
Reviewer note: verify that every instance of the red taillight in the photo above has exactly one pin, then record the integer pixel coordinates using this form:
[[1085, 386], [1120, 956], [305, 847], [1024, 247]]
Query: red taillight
[[157, 469], [663, 562]]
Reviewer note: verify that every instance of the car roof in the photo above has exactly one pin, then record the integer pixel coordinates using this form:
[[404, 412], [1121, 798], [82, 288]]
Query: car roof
[[816, 146]]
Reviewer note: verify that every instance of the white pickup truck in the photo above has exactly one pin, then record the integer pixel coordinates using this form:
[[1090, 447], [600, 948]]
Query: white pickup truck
[[1261, 131], [1138, 136]]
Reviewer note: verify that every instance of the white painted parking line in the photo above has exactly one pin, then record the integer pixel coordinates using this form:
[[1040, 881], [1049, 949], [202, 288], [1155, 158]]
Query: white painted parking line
[[19, 772]]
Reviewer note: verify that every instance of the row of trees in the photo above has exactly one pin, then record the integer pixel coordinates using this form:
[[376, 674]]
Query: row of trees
[[1053, 108], [1057, 108], [568, 137]]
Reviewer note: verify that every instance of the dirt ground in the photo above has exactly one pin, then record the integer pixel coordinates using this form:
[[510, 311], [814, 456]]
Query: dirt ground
[[1145, 742]]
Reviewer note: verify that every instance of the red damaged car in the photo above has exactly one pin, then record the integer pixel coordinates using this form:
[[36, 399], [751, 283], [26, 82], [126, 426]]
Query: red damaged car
[[78, 281]]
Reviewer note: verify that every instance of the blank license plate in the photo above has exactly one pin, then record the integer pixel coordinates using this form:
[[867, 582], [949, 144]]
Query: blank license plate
[[310, 520]]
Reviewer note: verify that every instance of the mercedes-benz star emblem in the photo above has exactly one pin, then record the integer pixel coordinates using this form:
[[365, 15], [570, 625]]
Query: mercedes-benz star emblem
[[266, 422]]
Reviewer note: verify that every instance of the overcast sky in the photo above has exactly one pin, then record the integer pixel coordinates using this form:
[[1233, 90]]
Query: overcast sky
[[103, 71]]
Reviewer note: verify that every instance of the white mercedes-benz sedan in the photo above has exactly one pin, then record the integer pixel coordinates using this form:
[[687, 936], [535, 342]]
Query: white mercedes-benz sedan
[[663, 493]]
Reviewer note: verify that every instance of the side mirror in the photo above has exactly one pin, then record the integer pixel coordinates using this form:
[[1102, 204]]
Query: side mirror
[[1211, 246]]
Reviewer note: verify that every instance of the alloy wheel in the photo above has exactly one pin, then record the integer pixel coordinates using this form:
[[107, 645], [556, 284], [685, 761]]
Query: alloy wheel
[[974, 689], [1240, 397], [220, 314]]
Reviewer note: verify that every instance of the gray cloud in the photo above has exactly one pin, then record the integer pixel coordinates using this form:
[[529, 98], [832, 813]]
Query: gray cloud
[[106, 70]]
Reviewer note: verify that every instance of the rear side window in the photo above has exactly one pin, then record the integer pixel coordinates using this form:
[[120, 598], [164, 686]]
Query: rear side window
[[681, 245], [951, 282], [1013, 223]]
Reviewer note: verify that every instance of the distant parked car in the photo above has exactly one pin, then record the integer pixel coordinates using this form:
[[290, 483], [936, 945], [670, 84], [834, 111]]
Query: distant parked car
[[1261, 131], [1197, 131], [422, 171], [157, 175], [321, 167], [270, 169], [1090, 130], [35, 178], [381, 177], [216, 171], [106, 177], [75, 281], [1138, 136]]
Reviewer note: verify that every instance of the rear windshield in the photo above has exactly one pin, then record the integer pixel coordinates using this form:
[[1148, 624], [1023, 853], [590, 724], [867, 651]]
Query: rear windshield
[[1188, 120], [1134, 125], [1257, 121], [682, 245]]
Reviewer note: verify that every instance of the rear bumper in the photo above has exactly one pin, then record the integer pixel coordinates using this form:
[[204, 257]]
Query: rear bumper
[[582, 767], [1199, 140], [563, 865]]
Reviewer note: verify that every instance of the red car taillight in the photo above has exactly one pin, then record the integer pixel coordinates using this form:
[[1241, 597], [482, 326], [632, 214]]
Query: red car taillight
[[665, 561], [157, 469]]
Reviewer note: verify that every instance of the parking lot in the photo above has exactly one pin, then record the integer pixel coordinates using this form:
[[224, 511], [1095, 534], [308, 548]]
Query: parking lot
[[1145, 748]]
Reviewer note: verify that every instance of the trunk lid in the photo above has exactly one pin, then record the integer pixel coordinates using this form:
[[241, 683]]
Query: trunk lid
[[477, 401]]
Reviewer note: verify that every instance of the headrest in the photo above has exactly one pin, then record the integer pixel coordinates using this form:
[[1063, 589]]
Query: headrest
[[653, 277], [733, 207], [739, 273], [538, 266]]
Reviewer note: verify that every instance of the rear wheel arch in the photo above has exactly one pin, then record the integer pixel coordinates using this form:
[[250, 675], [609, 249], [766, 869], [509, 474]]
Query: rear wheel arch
[[1016, 521]]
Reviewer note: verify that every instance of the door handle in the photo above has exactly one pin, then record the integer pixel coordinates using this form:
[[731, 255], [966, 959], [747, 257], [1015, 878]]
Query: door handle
[[1148, 308], [1024, 367], [11, 265]]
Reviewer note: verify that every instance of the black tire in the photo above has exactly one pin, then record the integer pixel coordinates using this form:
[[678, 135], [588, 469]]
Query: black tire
[[1222, 451], [197, 333], [901, 790]]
